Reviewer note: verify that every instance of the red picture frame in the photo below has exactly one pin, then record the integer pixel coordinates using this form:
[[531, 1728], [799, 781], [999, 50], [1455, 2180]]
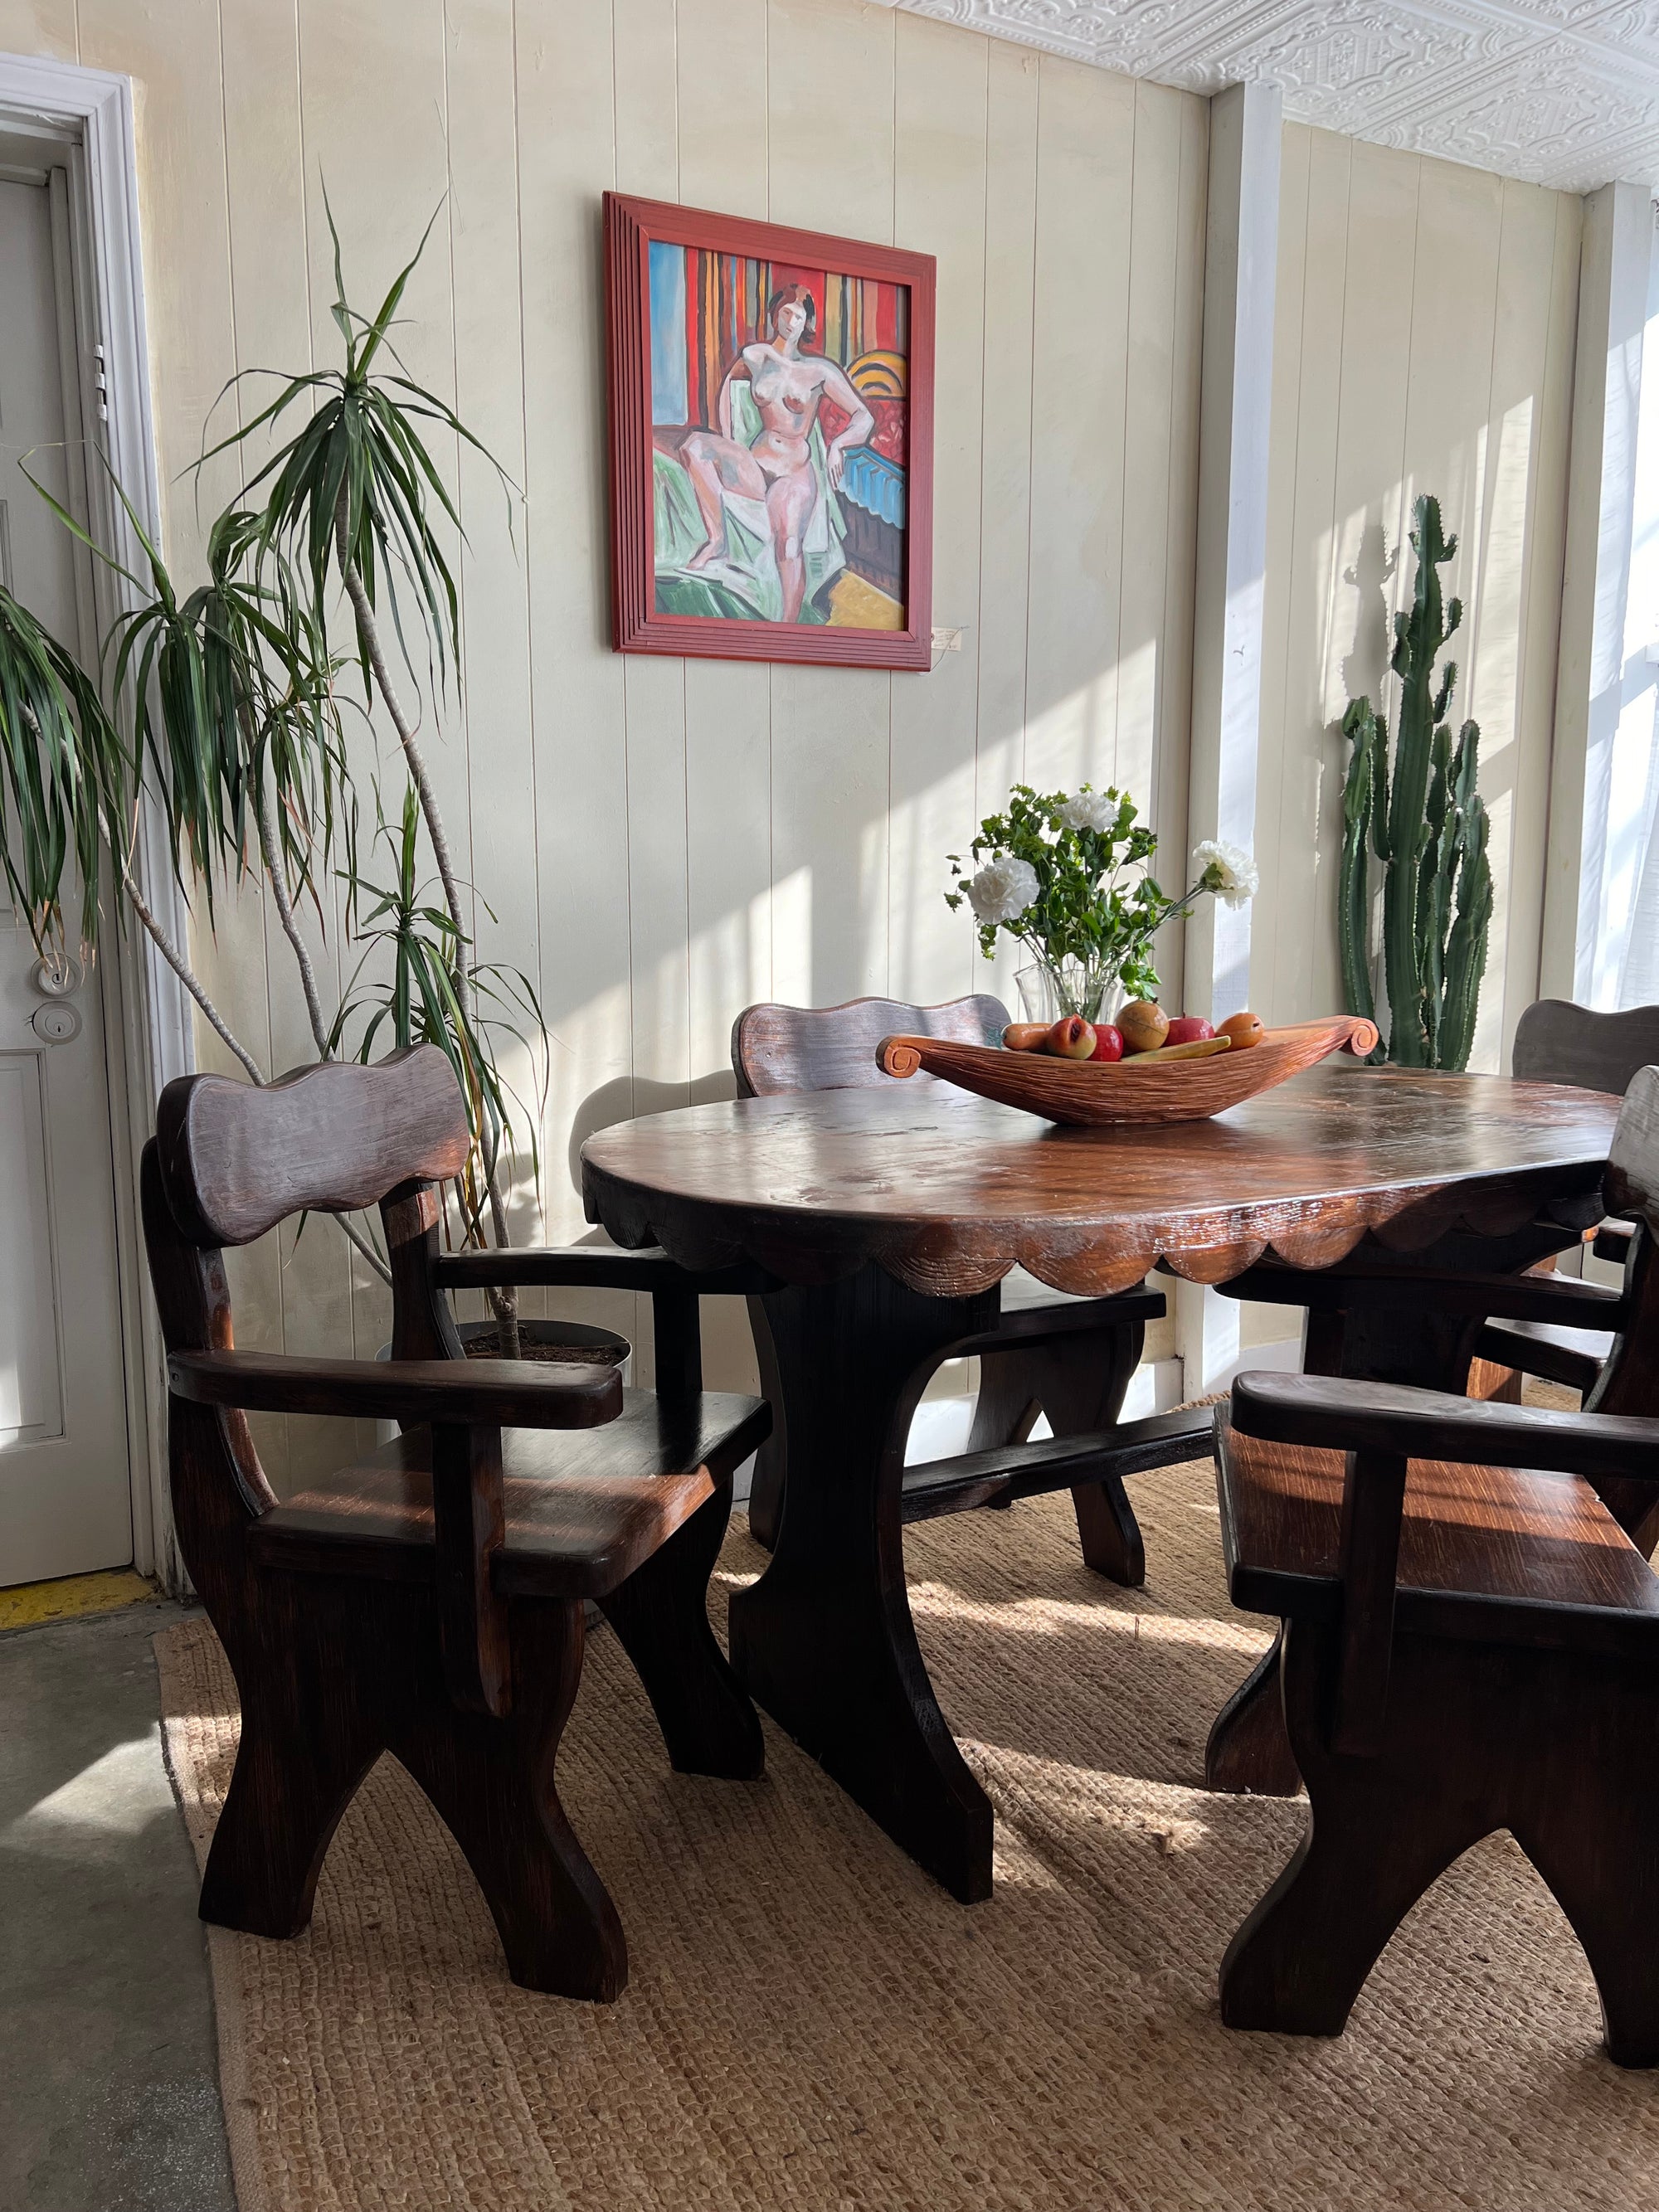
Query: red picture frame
[[826, 556]]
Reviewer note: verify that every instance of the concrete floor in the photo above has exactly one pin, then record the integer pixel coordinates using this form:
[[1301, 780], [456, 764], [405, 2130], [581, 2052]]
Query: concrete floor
[[109, 2093]]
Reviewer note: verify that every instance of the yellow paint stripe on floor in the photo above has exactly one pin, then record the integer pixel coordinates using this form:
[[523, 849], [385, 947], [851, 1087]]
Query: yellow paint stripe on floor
[[26, 1605]]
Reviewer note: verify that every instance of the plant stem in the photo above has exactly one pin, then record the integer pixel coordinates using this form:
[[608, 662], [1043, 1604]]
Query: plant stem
[[270, 846], [181, 968], [503, 1301], [186, 975]]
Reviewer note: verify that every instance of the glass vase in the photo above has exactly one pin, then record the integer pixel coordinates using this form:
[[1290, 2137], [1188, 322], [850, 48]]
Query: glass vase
[[1049, 990]]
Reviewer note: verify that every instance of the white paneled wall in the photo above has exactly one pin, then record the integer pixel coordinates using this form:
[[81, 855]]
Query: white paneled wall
[[661, 841], [1425, 339]]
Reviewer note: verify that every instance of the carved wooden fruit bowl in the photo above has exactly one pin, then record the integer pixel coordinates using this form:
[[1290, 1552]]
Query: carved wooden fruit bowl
[[1102, 1095]]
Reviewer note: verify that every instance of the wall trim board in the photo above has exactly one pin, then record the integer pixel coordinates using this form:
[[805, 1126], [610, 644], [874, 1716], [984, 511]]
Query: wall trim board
[[1241, 260], [89, 113]]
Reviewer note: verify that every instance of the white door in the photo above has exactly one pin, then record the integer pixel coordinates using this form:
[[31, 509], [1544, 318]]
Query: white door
[[64, 1492]]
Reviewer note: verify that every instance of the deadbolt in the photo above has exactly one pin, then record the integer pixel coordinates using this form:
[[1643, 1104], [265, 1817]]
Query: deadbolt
[[56, 1023]]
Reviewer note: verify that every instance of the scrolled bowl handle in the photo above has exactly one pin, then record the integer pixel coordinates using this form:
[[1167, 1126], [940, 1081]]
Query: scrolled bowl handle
[[898, 1057], [1362, 1037]]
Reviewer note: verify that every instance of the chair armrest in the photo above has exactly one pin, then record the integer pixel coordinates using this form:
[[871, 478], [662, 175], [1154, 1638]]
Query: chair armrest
[[1345, 1289], [516, 1394], [1335, 1414], [594, 1266], [1612, 1241]]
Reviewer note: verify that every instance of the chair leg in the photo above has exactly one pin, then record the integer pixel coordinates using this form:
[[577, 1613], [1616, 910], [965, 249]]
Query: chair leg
[[1248, 1753], [660, 1615], [492, 1783], [296, 1771], [1590, 1825], [1380, 1832]]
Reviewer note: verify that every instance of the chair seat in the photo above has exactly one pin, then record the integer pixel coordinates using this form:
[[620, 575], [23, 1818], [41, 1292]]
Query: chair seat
[[1496, 1553], [584, 1507]]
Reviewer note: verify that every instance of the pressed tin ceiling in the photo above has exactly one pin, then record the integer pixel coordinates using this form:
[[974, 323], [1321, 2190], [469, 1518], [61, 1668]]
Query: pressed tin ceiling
[[1556, 92]]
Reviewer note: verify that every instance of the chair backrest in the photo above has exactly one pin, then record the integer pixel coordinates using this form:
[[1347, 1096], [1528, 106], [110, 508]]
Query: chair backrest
[[1557, 1042], [776, 1048], [236, 1159]]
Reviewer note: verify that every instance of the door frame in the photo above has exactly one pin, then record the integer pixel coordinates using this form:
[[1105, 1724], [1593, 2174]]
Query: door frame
[[87, 115]]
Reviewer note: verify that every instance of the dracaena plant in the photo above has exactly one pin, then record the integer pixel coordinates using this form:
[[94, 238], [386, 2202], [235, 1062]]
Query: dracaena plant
[[411, 948], [1069, 877], [231, 704]]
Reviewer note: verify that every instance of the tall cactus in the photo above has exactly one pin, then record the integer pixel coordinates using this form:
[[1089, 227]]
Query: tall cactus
[[1430, 830]]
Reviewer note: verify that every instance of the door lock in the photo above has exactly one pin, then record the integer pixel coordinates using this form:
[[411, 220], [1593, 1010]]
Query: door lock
[[56, 977], [56, 1023]]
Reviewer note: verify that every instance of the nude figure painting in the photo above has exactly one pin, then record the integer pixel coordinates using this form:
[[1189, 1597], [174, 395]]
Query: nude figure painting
[[765, 417]]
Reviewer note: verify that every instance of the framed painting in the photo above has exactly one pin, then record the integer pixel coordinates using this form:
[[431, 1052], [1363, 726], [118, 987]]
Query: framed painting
[[771, 440]]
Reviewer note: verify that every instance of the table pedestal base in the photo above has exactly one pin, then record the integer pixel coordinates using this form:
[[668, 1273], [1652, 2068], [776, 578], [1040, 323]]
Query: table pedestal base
[[824, 1640]]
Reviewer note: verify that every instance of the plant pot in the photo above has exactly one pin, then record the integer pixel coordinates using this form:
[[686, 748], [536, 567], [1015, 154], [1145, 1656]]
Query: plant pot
[[567, 1343]]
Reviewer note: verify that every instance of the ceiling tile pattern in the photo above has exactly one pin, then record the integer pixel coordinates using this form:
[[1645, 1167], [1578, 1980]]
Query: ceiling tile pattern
[[1556, 92]]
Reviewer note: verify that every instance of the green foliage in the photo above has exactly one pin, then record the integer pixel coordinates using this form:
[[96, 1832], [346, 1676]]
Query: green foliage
[[356, 489], [1090, 896], [1428, 826], [228, 694], [402, 993], [65, 781]]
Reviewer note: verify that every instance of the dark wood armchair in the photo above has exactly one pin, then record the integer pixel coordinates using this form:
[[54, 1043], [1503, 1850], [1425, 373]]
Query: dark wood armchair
[[1555, 1042], [1471, 1643], [429, 1599], [1070, 1358]]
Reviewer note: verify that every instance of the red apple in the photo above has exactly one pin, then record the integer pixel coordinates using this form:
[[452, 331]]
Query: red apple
[[1189, 1028], [1070, 1038], [1109, 1043]]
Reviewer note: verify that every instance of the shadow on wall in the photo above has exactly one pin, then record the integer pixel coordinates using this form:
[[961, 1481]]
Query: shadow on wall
[[1365, 665], [629, 1098]]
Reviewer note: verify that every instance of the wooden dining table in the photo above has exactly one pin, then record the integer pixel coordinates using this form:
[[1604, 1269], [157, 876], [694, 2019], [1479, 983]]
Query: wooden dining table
[[885, 1219]]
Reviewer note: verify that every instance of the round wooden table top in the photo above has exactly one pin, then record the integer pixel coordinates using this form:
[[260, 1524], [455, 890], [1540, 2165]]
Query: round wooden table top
[[948, 1192]]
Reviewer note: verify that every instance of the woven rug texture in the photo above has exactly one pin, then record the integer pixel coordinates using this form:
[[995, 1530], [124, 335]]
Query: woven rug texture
[[812, 2022]]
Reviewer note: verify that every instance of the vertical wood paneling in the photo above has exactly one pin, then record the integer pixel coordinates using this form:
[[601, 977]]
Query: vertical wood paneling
[[720, 90], [1541, 621], [1085, 181], [722, 106], [939, 125], [1170, 815], [1295, 808], [47, 28], [829, 153], [484, 220], [647, 162], [1427, 349], [1013, 94], [565, 111], [1149, 398]]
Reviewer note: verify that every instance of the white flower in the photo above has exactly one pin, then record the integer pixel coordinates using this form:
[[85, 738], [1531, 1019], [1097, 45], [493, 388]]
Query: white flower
[[1002, 890], [1090, 809], [1227, 871]]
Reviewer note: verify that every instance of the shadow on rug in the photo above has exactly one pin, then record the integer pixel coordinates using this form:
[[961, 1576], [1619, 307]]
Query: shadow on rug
[[813, 2023]]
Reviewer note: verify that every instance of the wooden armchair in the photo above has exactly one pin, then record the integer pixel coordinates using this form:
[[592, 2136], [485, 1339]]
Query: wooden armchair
[[1471, 1643], [1071, 1358], [1555, 1042], [429, 1599]]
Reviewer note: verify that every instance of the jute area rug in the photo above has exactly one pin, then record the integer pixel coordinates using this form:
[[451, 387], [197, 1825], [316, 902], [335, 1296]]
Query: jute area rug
[[812, 2022]]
